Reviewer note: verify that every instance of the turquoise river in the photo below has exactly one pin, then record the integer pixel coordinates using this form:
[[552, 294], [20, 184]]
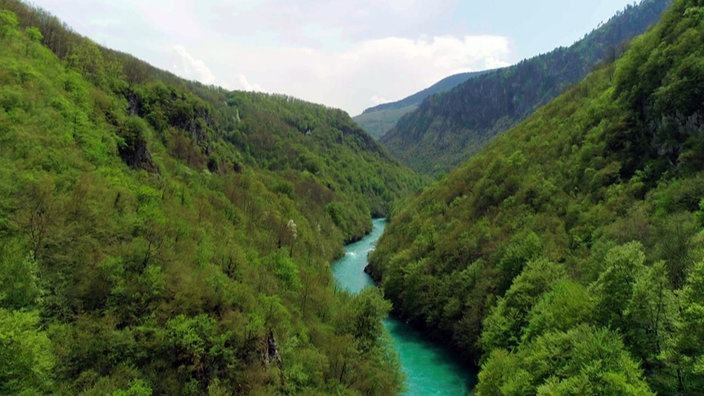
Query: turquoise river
[[430, 368]]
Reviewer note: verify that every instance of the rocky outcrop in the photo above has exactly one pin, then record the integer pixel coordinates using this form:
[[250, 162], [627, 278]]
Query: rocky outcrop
[[137, 156]]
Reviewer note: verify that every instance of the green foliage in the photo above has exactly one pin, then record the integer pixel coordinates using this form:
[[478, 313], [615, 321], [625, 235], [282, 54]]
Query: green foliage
[[504, 325], [34, 34], [369, 308], [175, 238], [584, 361], [606, 180], [8, 22], [362, 320], [136, 388], [566, 305], [26, 361], [615, 284], [686, 356], [650, 315], [19, 270]]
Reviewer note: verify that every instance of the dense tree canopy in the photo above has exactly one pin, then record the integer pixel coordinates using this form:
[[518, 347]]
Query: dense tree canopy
[[162, 237], [565, 257]]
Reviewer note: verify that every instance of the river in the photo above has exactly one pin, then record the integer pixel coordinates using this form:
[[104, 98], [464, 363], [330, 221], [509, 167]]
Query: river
[[430, 368]]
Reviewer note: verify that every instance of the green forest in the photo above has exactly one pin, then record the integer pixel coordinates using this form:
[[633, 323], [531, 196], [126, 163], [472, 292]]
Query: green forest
[[163, 237], [568, 256], [158, 236]]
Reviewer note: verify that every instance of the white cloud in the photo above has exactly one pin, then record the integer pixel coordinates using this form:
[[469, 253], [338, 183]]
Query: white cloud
[[391, 67], [341, 54], [443, 52], [242, 83], [377, 100], [105, 22], [190, 68]]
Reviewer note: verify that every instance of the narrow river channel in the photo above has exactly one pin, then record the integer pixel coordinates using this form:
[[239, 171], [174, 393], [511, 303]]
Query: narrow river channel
[[430, 368]]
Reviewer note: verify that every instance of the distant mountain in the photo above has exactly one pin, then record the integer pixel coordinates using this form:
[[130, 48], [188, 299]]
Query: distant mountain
[[380, 119], [447, 129]]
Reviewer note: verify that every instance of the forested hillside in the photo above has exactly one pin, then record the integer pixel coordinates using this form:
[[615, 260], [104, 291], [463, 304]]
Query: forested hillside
[[568, 257], [158, 236], [380, 119], [448, 128]]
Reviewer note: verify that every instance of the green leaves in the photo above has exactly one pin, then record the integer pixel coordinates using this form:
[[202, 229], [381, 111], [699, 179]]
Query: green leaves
[[606, 181], [26, 360], [8, 22], [369, 308], [34, 34], [614, 287], [686, 356], [583, 360], [170, 275], [19, 270], [566, 305], [504, 326]]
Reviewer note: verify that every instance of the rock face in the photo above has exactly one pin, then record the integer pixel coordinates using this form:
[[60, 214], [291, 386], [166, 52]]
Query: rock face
[[271, 354], [137, 156]]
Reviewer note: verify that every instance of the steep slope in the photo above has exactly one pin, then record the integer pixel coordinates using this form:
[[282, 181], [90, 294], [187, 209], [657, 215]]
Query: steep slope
[[379, 119], [159, 236], [447, 129], [570, 249]]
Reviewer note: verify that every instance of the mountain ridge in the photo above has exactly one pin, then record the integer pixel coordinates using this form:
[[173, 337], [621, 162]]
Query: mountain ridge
[[446, 129], [379, 119]]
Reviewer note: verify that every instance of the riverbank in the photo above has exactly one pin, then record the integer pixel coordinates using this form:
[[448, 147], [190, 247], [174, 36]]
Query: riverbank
[[430, 367]]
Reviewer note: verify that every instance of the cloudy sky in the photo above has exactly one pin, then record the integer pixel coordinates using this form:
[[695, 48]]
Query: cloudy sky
[[350, 54]]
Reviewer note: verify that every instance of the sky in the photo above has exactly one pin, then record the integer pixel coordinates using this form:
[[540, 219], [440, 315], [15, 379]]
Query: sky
[[350, 54]]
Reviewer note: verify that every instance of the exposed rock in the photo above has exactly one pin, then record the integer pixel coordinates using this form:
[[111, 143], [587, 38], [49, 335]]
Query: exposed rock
[[137, 156], [272, 354]]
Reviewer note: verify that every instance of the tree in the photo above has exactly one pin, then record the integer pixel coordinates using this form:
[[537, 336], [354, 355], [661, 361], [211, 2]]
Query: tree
[[686, 356], [26, 360], [581, 361], [565, 306], [19, 288], [369, 308], [8, 22], [34, 35], [614, 287], [136, 388], [650, 313], [503, 328]]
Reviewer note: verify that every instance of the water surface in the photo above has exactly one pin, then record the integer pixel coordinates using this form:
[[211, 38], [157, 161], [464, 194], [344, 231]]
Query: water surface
[[430, 368]]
